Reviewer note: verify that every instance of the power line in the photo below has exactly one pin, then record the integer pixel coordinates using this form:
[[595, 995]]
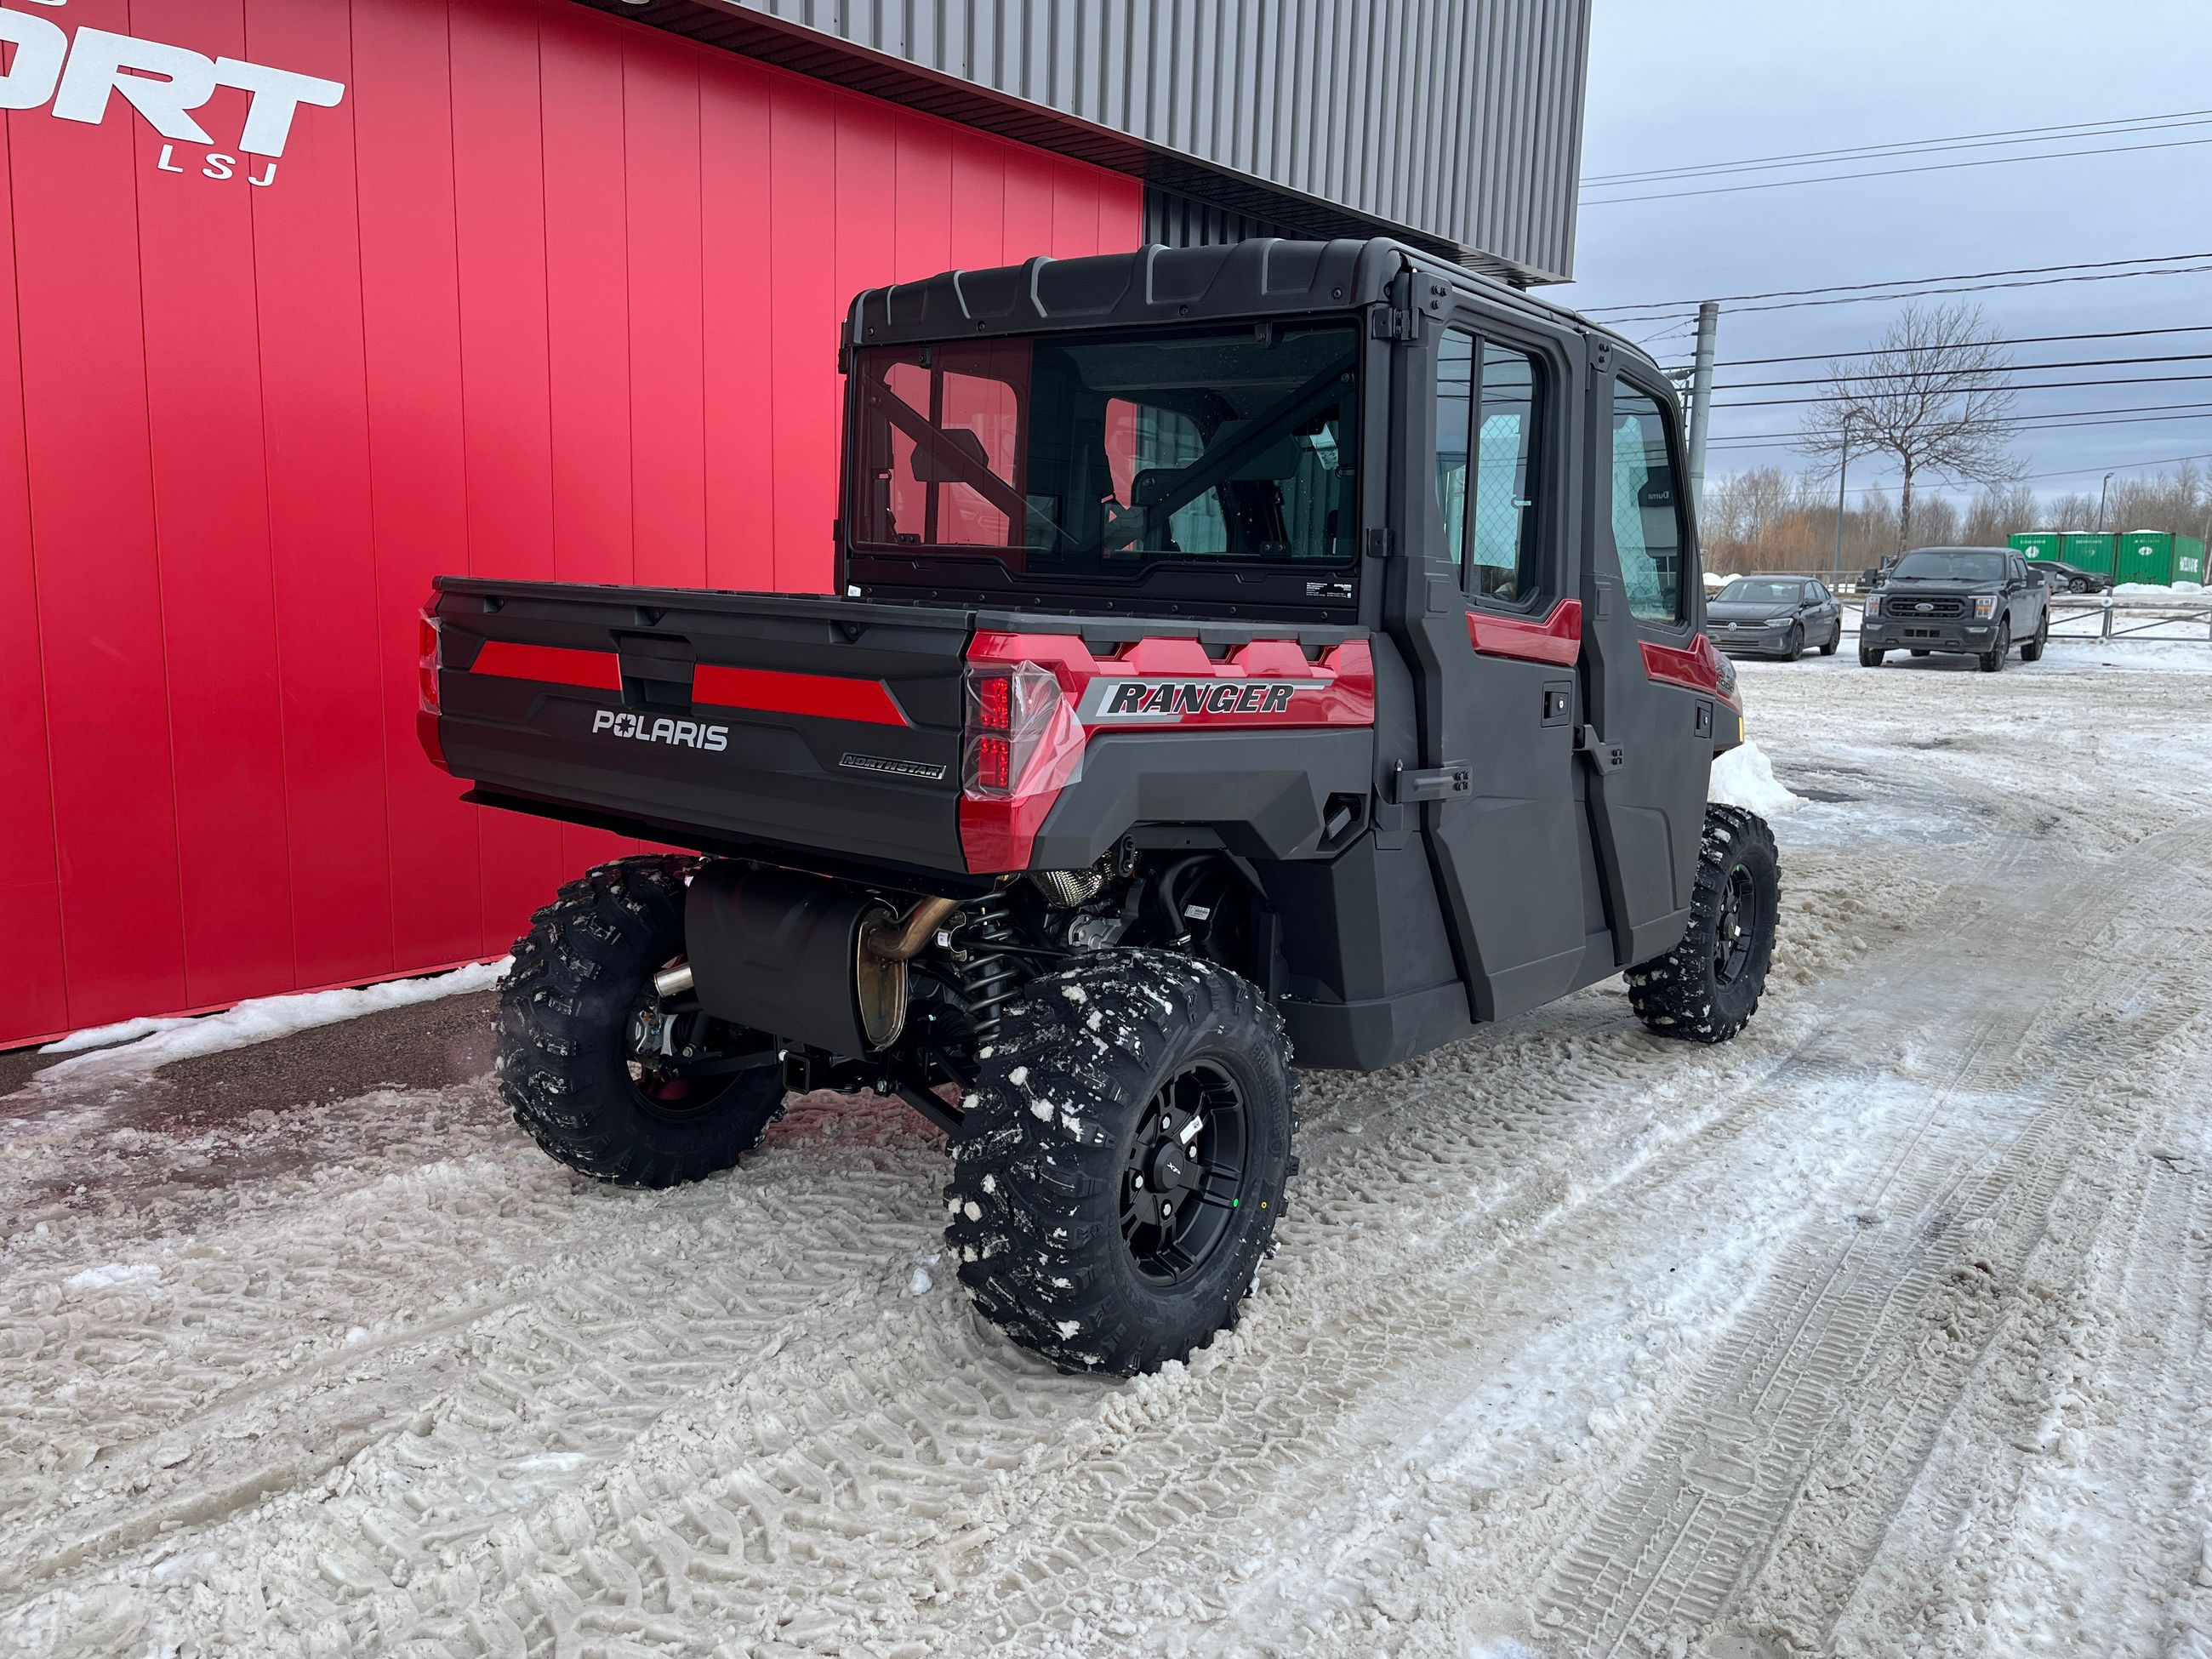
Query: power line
[[2055, 423], [1891, 172], [1896, 281], [2005, 340], [2114, 127], [2065, 472], [2033, 386], [2130, 466], [2037, 419], [1922, 294], [1984, 372]]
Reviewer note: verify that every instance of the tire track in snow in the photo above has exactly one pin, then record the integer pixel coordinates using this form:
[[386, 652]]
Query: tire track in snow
[[1675, 1548], [1372, 1201]]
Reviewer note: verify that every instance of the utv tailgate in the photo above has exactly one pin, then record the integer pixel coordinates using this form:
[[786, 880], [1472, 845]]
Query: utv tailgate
[[808, 722]]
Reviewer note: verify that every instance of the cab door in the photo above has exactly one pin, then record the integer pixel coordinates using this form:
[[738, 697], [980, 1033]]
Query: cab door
[[1650, 681], [2023, 595], [1490, 514]]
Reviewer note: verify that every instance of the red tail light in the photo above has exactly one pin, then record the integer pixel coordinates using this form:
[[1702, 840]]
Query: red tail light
[[1024, 746], [426, 661], [994, 766], [1016, 716], [426, 690]]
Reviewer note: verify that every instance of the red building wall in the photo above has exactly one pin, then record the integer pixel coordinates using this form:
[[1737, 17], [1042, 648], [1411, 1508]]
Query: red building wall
[[544, 293]]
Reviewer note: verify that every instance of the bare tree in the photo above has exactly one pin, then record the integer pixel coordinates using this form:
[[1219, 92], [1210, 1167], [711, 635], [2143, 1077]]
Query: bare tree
[[1932, 396], [1998, 511]]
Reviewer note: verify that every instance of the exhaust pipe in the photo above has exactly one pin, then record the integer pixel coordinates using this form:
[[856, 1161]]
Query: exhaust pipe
[[887, 945], [903, 941]]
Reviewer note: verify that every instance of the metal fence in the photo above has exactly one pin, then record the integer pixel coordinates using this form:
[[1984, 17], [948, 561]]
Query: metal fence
[[2104, 617], [2185, 618]]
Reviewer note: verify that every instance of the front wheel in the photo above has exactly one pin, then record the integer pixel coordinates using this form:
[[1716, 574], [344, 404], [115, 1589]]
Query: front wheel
[[1994, 658], [1794, 646], [1834, 639], [1707, 989], [1121, 1166], [609, 1077], [1869, 657], [2032, 650]]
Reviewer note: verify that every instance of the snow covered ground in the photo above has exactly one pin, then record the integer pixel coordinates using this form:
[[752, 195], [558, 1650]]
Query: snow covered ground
[[1880, 1331]]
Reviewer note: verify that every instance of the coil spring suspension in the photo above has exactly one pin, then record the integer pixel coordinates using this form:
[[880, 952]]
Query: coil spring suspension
[[993, 976]]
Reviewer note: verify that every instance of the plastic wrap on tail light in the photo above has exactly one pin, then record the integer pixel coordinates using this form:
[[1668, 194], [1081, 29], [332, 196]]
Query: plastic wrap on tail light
[[1022, 734], [426, 690], [1024, 744]]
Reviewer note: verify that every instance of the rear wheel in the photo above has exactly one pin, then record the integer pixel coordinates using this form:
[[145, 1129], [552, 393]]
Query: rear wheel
[[1994, 658], [1121, 1166], [609, 1077], [1707, 989]]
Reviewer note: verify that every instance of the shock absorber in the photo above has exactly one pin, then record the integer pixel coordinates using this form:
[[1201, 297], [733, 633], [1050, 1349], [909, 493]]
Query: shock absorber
[[992, 976]]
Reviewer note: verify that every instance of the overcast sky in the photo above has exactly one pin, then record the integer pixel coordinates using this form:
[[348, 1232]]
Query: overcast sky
[[1688, 82]]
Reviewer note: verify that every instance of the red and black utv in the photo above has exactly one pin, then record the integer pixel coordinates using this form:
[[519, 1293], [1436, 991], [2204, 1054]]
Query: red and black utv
[[1280, 654]]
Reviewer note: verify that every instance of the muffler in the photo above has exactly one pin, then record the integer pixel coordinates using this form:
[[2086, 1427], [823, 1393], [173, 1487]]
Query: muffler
[[800, 958]]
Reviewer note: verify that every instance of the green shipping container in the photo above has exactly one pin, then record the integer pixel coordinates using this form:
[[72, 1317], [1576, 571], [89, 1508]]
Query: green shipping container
[[2088, 549], [2160, 559], [2036, 544]]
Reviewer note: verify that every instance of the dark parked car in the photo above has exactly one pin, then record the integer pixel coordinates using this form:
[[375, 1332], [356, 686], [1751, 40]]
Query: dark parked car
[[1774, 616], [1981, 601], [2062, 578]]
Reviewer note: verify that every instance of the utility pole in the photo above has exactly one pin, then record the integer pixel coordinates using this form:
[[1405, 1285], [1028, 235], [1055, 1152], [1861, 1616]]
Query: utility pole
[[1843, 471], [1701, 399], [2102, 496]]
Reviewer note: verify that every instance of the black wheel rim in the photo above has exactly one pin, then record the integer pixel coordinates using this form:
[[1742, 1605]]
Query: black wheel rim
[[1736, 933], [1182, 1173], [670, 1049]]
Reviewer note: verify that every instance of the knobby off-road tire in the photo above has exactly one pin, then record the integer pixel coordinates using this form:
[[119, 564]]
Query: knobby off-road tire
[[1062, 1151], [1993, 659], [566, 1009], [2032, 650], [1707, 989]]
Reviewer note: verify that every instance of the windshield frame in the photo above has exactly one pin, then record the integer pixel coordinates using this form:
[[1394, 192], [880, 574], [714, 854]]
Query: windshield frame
[[1899, 572], [1232, 582], [1729, 596]]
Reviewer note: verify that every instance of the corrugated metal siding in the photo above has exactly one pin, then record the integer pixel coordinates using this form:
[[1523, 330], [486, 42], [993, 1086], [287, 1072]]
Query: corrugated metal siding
[[1181, 221], [547, 295], [1457, 120]]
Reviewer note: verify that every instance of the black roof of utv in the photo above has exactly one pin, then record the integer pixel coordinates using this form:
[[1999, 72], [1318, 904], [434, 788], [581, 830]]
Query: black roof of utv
[[1154, 284]]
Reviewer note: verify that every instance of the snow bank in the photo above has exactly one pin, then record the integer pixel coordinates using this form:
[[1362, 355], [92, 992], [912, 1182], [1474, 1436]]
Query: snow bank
[[106, 1036], [2154, 590], [256, 1020], [1744, 777]]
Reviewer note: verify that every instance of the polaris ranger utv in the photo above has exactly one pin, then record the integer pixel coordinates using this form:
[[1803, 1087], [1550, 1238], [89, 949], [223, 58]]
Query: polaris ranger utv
[[1286, 650]]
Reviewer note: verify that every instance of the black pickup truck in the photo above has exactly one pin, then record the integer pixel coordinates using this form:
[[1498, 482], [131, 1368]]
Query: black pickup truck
[[1283, 649], [1974, 601]]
